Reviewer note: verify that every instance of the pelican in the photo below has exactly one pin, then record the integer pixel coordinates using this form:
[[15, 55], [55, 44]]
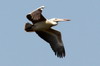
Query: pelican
[[42, 27]]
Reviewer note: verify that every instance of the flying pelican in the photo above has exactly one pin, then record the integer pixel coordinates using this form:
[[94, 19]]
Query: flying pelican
[[42, 27]]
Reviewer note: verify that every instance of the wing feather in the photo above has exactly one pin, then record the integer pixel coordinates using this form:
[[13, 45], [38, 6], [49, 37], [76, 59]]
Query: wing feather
[[36, 16], [53, 37]]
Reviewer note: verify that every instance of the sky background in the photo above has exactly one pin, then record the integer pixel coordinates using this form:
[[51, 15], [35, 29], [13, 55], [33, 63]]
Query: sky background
[[81, 35]]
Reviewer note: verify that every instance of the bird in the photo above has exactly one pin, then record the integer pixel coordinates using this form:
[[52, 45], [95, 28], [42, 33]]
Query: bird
[[43, 28]]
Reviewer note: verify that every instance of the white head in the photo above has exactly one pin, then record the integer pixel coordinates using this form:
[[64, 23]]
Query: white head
[[54, 21]]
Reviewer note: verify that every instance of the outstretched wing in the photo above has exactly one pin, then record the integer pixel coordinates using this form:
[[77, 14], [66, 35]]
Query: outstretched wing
[[36, 16], [53, 37]]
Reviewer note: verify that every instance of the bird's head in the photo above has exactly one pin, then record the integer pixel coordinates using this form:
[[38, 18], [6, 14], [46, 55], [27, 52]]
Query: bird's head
[[54, 21]]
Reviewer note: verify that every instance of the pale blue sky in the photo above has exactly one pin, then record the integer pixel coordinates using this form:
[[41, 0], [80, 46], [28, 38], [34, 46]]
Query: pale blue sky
[[81, 36]]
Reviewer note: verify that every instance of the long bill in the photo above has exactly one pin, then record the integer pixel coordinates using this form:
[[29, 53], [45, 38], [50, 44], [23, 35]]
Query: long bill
[[59, 20]]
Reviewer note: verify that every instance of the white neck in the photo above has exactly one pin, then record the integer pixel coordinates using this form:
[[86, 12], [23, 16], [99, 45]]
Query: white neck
[[51, 22]]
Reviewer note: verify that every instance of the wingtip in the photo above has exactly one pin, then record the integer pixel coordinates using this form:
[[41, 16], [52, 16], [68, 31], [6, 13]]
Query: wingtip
[[41, 7], [60, 52]]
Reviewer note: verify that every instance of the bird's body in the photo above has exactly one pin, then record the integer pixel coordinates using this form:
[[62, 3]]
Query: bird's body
[[42, 27]]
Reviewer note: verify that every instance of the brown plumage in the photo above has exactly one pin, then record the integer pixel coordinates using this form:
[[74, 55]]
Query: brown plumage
[[43, 29], [36, 16]]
